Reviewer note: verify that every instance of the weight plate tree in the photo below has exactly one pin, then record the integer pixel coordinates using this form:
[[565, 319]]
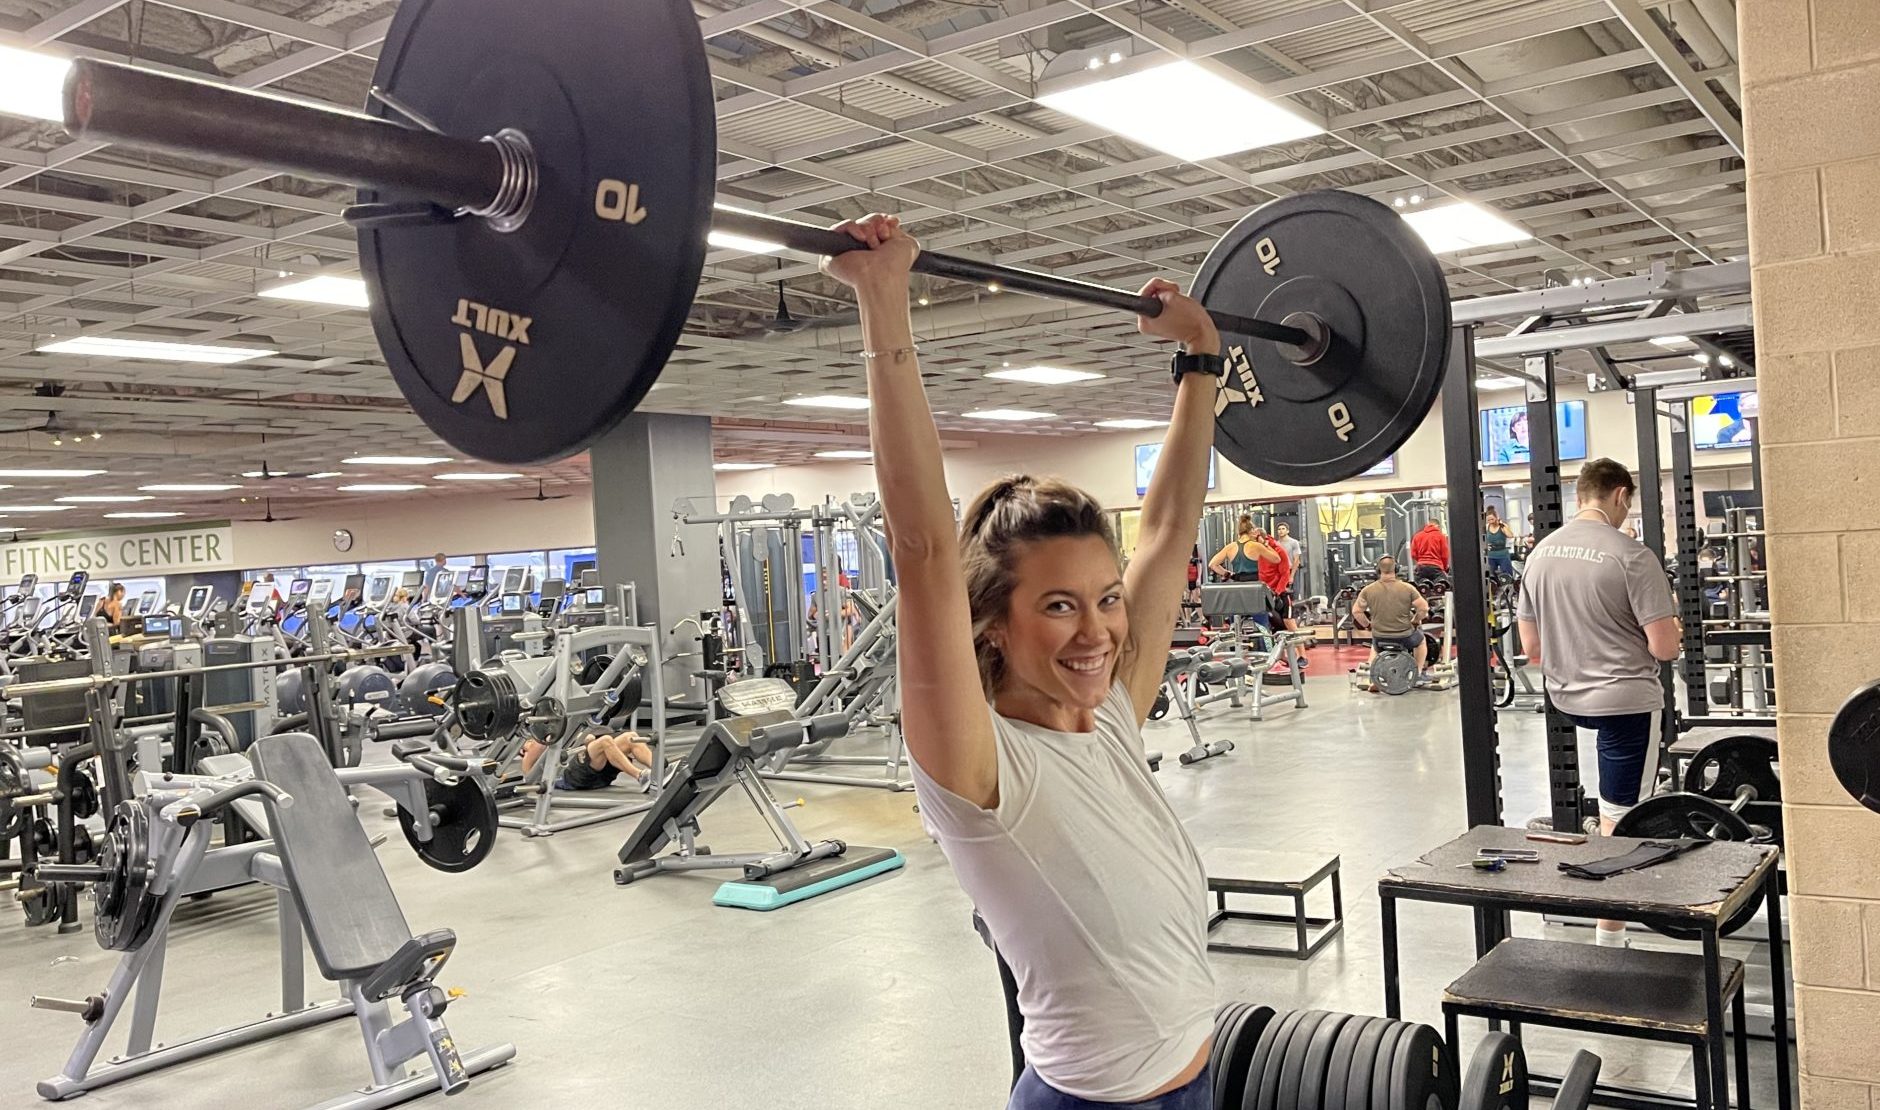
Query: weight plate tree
[[532, 231]]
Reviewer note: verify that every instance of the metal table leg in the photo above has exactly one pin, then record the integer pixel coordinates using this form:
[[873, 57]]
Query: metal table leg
[[1387, 915], [1778, 989], [1716, 1082]]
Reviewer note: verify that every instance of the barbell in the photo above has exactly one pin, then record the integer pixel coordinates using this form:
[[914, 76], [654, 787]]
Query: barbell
[[536, 188]]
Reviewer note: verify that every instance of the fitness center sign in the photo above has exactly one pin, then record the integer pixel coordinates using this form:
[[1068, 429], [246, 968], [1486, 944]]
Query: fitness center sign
[[132, 554]]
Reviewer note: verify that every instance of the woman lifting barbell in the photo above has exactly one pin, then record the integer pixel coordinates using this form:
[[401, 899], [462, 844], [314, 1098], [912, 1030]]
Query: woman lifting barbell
[[1043, 802]]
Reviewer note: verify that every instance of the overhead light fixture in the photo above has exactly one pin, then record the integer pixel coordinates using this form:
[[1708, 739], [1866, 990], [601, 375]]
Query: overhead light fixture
[[1725, 361], [40, 472], [1013, 415], [1182, 109], [1455, 227], [35, 508], [1045, 375], [828, 401], [845, 454], [724, 240], [189, 487], [102, 498], [380, 487], [742, 466], [1672, 340], [1494, 383], [108, 346], [395, 460], [347, 292], [478, 476], [1132, 424], [32, 84], [141, 516]]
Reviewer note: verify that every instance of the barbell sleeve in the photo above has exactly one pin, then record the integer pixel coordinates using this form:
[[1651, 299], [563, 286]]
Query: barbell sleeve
[[111, 102]]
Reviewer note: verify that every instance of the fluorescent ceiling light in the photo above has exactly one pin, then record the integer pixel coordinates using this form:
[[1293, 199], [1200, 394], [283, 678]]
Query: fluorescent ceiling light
[[347, 292], [1184, 110], [380, 487], [1132, 424], [1044, 375], [109, 346], [35, 508], [327, 474], [1498, 383], [1455, 227], [724, 240], [742, 466], [1672, 340], [40, 473], [395, 460], [486, 476], [1008, 414], [141, 516], [32, 84], [829, 401], [189, 487], [101, 498], [845, 454]]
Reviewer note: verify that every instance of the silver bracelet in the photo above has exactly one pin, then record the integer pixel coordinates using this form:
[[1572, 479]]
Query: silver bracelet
[[908, 350]]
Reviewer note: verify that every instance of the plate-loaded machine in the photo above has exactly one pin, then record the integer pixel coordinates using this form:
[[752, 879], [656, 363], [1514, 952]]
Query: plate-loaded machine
[[862, 688], [761, 723], [330, 889], [508, 699]]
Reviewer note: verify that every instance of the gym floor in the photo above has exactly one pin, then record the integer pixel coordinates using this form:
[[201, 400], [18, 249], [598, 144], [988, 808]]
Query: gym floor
[[879, 995]]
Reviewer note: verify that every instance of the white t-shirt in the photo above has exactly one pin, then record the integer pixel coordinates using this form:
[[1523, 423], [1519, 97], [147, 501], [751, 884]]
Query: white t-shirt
[[1096, 898]]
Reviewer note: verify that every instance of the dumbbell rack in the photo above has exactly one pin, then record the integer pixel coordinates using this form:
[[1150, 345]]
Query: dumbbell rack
[[1741, 633]]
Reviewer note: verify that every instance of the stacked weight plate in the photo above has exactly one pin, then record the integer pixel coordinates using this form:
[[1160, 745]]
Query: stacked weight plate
[[1316, 1060]]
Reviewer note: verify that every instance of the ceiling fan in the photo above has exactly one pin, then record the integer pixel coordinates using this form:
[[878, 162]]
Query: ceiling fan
[[541, 495], [266, 473], [270, 518]]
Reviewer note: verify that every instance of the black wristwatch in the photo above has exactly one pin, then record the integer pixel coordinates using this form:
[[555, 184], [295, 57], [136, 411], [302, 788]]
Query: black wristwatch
[[1185, 363]]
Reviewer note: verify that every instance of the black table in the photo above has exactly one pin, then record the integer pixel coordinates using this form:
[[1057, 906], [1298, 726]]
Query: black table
[[1697, 891]]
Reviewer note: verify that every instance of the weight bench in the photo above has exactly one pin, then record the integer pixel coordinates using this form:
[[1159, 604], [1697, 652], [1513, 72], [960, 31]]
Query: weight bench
[[1624, 992], [329, 888], [1291, 875]]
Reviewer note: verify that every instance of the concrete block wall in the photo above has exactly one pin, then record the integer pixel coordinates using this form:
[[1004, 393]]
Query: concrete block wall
[[1811, 81]]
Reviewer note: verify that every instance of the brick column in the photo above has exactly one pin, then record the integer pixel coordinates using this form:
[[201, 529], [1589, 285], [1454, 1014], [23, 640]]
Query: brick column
[[1811, 80]]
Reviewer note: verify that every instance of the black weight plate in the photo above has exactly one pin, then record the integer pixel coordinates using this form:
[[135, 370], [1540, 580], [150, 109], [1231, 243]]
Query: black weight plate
[[607, 92], [1238, 1059], [1854, 745], [1298, 1049], [463, 824], [1497, 1077], [1385, 1065], [1364, 1061], [1680, 816], [1318, 1058], [1272, 1047], [1355, 264], [1576, 1086], [1421, 1079], [1726, 765], [1338, 1065], [41, 906], [1224, 1021]]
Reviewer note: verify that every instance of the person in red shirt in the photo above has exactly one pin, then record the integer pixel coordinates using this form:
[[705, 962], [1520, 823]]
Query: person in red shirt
[[1429, 550]]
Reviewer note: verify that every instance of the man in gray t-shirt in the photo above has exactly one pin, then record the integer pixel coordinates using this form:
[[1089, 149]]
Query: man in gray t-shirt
[[1295, 552], [1596, 611]]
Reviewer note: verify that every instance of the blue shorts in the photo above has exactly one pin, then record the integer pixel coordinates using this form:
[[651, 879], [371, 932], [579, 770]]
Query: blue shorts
[[1033, 1093], [1628, 758]]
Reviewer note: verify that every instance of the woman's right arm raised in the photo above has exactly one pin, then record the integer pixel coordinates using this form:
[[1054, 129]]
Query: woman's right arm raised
[[945, 720]]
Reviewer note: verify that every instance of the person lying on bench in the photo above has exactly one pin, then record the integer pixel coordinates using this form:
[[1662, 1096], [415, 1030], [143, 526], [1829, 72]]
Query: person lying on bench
[[596, 761]]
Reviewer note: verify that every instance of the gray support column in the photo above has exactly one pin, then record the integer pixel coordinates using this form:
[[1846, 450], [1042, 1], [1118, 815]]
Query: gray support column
[[641, 469]]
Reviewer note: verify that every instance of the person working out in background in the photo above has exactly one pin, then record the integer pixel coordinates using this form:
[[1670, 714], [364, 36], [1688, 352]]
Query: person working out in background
[[596, 762], [1254, 556], [1394, 611], [1295, 554], [1497, 540], [1429, 550], [112, 607], [430, 574], [1596, 613]]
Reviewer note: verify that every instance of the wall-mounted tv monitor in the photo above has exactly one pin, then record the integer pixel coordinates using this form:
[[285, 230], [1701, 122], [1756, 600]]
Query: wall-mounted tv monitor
[[1717, 420], [1148, 454], [1382, 470], [1505, 433]]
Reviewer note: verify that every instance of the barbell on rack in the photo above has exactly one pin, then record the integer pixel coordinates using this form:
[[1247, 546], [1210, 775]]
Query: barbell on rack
[[533, 224]]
